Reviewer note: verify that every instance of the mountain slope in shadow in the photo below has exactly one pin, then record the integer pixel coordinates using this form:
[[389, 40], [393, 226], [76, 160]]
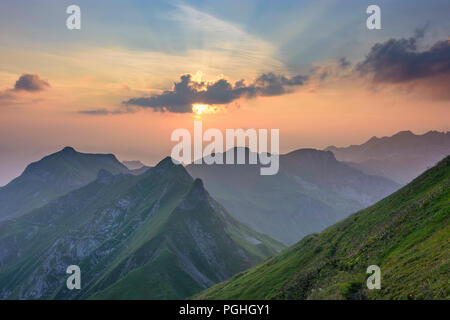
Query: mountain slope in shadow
[[311, 191], [405, 234], [158, 235], [52, 177]]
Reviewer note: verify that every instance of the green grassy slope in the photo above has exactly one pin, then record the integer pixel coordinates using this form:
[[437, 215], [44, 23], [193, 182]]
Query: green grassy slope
[[406, 234], [157, 235]]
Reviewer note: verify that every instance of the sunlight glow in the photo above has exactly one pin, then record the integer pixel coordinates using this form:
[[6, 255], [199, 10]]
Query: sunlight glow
[[202, 109]]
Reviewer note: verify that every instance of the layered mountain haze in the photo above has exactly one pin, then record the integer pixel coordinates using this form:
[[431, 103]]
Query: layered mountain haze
[[133, 164], [311, 191], [406, 234], [401, 157], [169, 232], [136, 167], [51, 177], [323, 170], [158, 235]]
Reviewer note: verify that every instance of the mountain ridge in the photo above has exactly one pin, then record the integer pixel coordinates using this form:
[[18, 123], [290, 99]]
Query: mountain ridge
[[161, 229], [53, 176], [311, 191], [401, 157], [405, 234]]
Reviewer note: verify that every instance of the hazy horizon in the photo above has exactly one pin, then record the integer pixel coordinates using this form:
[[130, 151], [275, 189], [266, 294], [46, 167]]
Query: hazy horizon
[[135, 72], [7, 174]]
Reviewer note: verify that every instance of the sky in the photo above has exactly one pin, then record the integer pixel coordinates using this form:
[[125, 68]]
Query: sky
[[138, 70]]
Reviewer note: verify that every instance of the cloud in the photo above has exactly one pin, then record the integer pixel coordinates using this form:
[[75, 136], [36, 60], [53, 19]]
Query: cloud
[[188, 92], [344, 63], [226, 38], [97, 112], [104, 111], [400, 61], [7, 96], [330, 71], [31, 83]]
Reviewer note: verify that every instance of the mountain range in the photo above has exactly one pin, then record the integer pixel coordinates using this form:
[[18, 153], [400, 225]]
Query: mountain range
[[170, 232], [401, 157], [406, 234], [311, 191], [158, 235], [51, 177]]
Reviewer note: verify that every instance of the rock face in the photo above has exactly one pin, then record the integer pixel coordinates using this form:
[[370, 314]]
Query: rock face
[[311, 191], [157, 235], [401, 157], [52, 177]]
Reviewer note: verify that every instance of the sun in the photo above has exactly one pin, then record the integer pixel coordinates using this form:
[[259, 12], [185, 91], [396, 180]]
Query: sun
[[202, 108]]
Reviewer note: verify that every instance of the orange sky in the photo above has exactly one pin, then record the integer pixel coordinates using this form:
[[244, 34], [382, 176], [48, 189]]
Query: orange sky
[[307, 118], [93, 70]]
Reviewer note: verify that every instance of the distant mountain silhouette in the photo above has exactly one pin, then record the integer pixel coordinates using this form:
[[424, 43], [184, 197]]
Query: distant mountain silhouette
[[51, 177], [136, 167], [133, 165], [311, 191], [401, 157]]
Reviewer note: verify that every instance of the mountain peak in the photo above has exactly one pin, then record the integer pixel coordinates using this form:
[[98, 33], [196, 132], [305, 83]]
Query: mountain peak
[[308, 153], [196, 195], [165, 163], [166, 166], [133, 164], [198, 186], [405, 133], [68, 150]]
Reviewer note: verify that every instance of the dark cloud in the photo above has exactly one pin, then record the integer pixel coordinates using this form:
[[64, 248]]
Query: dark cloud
[[187, 92], [270, 84], [31, 83], [26, 83], [400, 60], [344, 63], [419, 33], [104, 111], [95, 112]]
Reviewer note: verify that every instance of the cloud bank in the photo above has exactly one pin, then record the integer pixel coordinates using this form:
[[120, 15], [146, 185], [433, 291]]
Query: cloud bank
[[188, 92], [400, 61]]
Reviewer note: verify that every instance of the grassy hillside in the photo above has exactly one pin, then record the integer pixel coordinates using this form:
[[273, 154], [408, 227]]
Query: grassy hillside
[[406, 234]]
